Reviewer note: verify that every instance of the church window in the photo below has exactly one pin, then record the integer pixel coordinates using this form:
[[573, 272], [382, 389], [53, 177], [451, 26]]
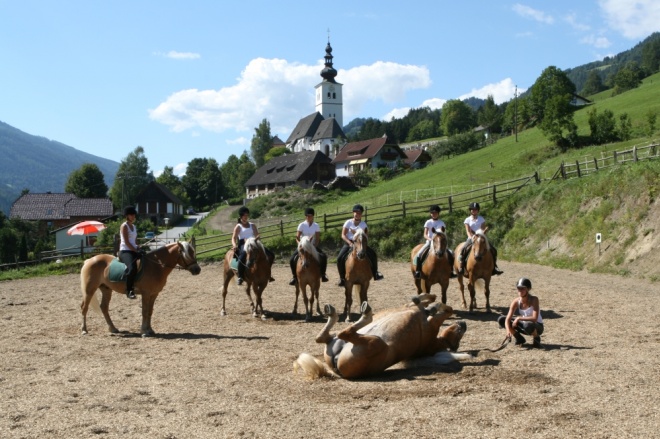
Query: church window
[[334, 96]]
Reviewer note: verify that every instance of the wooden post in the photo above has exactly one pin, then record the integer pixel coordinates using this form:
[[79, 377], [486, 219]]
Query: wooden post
[[537, 178], [82, 250], [494, 194], [403, 206], [449, 202], [325, 222], [577, 164], [596, 163], [614, 157], [281, 228], [563, 171], [635, 153]]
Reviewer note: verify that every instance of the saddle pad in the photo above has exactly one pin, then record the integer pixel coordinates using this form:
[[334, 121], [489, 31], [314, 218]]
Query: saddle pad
[[117, 270], [234, 264]]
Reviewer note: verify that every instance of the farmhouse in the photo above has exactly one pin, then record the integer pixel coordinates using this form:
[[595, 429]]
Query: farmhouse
[[373, 153], [157, 202]]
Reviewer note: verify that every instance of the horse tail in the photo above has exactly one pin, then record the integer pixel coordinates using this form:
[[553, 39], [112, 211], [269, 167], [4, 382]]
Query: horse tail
[[357, 288], [94, 304], [312, 367], [84, 279], [480, 284]]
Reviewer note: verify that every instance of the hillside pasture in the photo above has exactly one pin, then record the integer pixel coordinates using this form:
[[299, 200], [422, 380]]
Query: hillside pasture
[[209, 376]]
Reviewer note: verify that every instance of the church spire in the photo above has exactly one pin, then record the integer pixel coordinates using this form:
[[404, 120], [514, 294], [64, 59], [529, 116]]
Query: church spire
[[328, 73]]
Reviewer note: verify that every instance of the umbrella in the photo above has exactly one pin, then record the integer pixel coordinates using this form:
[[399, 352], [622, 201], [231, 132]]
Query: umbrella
[[86, 228]]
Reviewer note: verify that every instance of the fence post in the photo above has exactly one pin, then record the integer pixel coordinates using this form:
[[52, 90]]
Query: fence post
[[653, 147], [403, 205], [325, 222], [563, 171], [281, 228], [635, 153], [577, 164], [449, 201], [596, 163], [82, 250], [536, 177], [614, 157], [494, 194]]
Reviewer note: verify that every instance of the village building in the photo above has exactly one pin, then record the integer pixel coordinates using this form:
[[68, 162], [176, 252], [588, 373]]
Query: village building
[[368, 154]]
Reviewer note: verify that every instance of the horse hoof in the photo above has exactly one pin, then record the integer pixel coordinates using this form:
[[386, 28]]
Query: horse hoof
[[223, 312], [365, 308], [329, 310], [84, 333]]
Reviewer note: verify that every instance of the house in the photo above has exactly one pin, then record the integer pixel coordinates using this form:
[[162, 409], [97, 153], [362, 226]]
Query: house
[[417, 158], [57, 210], [579, 101], [302, 169], [368, 154], [71, 244], [277, 142], [314, 133], [157, 202]]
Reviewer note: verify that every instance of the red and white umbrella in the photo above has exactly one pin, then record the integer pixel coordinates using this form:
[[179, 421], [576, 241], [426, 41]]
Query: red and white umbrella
[[86, 228]]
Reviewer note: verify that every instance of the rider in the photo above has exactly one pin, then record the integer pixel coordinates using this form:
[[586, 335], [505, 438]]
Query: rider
[[433, 223], [244, 230], [473, 223], [313, 231], [128, 249], [529, 320], [347, 233]]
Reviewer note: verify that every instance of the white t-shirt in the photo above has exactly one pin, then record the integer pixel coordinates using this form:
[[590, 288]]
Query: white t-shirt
[[309, 230], [352, 228], [474, 223], [431, 224]]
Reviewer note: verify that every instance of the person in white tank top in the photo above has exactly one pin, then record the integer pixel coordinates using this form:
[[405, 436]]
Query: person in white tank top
[[128, 249], [242, 231], [524, 315]]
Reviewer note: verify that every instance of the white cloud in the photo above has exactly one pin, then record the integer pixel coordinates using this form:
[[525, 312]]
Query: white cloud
[[598, 42], [434, 103], [501, 91], [534, 14], [178, 170], [572, 20], [182, 55], [397, 113], [634, 19], [277, 90]]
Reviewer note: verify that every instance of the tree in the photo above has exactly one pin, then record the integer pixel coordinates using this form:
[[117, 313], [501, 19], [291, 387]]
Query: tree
[[276, 152], [651, 56], [553, 83], [87, 182], [627, 78], [603, 126], [651, 119], [173, 183], [425, 129], [489, 115], [203, 183], [593, 84], [262, 142], [246, 169], [559, 117], [228, 171], [456, 117], [8, 245], [131, 177], [625, 127]]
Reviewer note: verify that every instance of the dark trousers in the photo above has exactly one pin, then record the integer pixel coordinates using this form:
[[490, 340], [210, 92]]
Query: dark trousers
[[323, 262], [466, 250], [524, 327], [343, 255], [129, 258], [425, 252], [241, 255]]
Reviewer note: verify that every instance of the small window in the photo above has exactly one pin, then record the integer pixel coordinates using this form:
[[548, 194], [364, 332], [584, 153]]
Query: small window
[[334, 96], [328, 94]]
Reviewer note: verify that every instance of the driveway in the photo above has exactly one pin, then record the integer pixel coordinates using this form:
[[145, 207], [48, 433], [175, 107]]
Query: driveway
[[174, 233]]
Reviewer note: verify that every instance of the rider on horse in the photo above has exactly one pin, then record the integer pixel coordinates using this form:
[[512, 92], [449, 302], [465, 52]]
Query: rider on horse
[[313, 231], [433, 223], [244, 230], [347, 233], [473, 223]]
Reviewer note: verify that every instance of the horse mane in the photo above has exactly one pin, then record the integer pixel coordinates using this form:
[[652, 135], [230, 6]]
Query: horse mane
[[253, 243], [358, 233], [307, 246], [483, 233]]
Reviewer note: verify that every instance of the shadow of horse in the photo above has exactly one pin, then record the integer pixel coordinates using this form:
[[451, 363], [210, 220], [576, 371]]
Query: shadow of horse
[[191, 336], [291, 317], [418, 372]]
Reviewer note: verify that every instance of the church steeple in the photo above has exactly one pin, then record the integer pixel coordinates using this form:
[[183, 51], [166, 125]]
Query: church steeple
[[329, 91]]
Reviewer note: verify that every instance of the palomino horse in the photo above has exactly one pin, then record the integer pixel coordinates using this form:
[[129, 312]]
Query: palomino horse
[[371, 345], [156, 267], [478, 266], [358, 272], [308, 273], [436, 268], [257, 274]]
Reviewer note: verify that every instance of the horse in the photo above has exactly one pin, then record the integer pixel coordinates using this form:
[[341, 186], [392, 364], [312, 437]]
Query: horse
[[358, 272], [436, 268], [372, 344], [478, 266], [257, 274], [156, 267], [308, 273]]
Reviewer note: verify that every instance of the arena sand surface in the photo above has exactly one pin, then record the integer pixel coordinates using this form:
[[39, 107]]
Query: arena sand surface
[[207, 376]]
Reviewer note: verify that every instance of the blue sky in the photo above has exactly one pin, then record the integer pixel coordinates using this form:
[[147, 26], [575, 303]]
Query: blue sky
[[194, 79]]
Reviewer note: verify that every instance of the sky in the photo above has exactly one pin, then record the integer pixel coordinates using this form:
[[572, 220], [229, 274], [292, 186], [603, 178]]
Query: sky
[[193, 79]]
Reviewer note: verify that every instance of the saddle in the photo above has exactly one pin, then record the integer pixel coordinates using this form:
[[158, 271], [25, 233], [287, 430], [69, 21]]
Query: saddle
[[419, 260], [117, 272]]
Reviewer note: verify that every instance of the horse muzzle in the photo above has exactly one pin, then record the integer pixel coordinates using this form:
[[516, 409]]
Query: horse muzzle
[[195, 269]]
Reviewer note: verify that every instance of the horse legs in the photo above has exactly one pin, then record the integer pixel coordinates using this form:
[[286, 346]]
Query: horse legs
[[462, 287], [444, 285], [225, 286], [106, 295], [324, 336], [348, 293], [473, 299], [295, 305], [258, 308], [148, 301], [487, 293], [318, 304]]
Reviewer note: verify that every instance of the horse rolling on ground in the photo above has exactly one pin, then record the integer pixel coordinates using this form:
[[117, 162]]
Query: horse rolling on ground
[[371, 345], [257, 275], [156, 267], [308, 273], [358, 272], [436, 268], [478, 267]]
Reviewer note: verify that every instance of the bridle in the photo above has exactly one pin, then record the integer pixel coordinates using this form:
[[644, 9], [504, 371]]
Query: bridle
[[180, 261]]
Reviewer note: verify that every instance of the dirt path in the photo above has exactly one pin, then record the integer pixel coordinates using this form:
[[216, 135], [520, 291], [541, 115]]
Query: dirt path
[[206, 376], [223, 220]]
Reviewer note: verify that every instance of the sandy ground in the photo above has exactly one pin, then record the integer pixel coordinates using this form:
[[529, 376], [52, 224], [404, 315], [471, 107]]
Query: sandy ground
[[205, 375]]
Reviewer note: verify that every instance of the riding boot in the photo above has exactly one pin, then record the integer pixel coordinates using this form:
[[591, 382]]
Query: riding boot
[[520, 340], [450, 258], [373, 259], [130, 292], [293, 261], [420, 262], [496, 271], [241, 270], [323, 265], [341, 268]]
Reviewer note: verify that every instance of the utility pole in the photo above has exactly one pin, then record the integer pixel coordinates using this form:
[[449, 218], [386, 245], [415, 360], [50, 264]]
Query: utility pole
[[515, 114]]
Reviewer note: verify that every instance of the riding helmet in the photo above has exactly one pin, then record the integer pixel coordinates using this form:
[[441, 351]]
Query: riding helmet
[[309, 211], [358, 208], [242, 211], [434, 208], [130, 210], [474, 206], [524, 282]]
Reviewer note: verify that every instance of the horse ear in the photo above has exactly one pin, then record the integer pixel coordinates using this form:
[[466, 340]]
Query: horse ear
[[485, 228], [432, 229], [443, 229]]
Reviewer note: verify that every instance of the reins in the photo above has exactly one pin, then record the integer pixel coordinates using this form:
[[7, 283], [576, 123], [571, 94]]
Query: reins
[[147, 257], [505, 342]]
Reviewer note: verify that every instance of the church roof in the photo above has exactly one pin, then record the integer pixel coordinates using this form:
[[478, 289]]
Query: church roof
[[329, 129], [307, 127]]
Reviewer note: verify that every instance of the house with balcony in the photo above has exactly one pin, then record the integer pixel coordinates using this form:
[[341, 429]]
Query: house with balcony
[[368, 154]]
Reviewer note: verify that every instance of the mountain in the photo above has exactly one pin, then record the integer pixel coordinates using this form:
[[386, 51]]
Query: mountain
[[40, 165]]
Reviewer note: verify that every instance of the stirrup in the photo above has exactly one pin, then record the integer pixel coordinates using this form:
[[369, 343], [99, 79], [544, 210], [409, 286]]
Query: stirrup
[[293, 281], [239, 281], [418, 274], [130, 294], [497, 271]]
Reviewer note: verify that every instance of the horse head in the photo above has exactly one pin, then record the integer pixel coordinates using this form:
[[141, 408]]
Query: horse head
[[187, 258], [360, 244], [253, 247], [305, 247], [439, 242], [453, 334], [480, 245]]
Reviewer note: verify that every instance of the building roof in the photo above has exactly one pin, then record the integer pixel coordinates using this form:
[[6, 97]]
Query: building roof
[[307, 127], [148, 191], [365, 149], [49, 207], [417, 155], [287, 168], [329, 129], [277, 141]]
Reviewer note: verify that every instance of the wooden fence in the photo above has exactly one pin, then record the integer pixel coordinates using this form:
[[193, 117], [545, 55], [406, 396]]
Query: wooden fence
[[588, 166], [374, 215]]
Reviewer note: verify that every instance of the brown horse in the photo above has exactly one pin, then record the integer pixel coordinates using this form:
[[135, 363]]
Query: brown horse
[[257, 275], [358, 272], [478, 266], [156, 267], [308, 273], [436, 268], [371, 345]]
